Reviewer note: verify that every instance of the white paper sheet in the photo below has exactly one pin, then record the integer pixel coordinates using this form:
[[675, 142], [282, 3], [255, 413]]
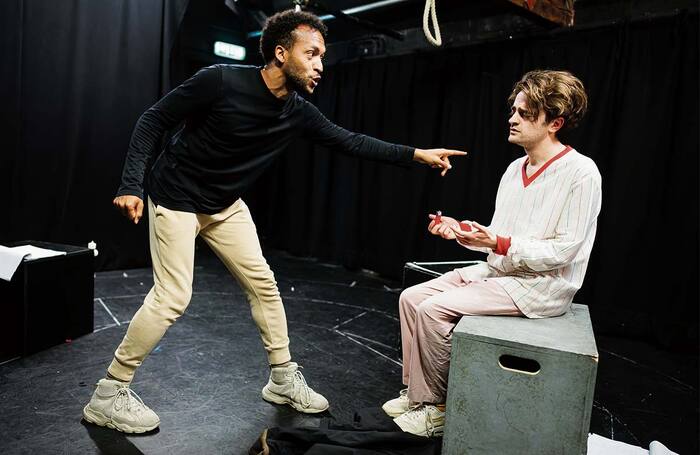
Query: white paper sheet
[[599, 445], [11, 257]]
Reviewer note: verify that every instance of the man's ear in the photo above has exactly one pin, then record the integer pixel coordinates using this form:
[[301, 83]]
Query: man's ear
[[556, 124], [281, 55]]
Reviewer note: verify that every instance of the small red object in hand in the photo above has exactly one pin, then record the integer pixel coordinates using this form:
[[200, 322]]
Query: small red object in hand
[[465, 227], [438, 217]]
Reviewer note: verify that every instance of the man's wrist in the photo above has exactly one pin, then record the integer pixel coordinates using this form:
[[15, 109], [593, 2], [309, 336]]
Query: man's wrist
[[418, 155]]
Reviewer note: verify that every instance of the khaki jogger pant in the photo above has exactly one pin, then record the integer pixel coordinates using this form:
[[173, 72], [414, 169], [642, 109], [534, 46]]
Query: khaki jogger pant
[[231, 234]]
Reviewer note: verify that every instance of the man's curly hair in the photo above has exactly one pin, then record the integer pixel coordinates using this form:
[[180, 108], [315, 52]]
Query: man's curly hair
[[279, 27], [557, 93]]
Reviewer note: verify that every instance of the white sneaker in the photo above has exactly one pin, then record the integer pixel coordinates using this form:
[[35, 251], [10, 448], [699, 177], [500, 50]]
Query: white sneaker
[[288, 386], [426, 420], [115, 405], [399, 405]]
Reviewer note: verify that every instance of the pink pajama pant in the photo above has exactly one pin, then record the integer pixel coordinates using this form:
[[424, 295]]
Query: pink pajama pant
[[429, 312]]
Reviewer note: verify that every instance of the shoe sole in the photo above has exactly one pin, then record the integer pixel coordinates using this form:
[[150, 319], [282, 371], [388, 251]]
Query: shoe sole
[[272, 397], [437, 432], [100, 419]]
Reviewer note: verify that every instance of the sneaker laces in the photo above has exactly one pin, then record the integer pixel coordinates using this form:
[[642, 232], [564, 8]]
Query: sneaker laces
[[128, 398], [403, 394], [299, 384], [422, 414]]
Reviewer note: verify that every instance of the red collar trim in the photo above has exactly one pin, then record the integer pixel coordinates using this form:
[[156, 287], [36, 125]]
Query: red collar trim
[[528, 180]]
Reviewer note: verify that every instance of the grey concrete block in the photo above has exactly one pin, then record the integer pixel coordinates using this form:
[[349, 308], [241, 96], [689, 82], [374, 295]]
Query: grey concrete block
[[521, 386]]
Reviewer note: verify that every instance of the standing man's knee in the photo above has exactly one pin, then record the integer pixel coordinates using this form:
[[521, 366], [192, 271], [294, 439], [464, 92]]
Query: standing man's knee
[[259, 282], [171, 302]]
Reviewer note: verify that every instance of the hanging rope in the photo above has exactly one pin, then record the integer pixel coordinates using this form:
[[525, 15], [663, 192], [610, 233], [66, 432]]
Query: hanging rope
[[431, 10]]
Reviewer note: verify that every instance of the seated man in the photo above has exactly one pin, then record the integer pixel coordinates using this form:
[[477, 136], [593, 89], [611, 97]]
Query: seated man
[[538, 246]]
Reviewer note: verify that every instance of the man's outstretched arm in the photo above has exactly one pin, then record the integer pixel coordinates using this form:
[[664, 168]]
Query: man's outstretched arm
[[322, 131]]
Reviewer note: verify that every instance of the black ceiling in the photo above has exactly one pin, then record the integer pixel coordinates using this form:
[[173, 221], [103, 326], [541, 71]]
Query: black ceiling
[[403, 14], [462, 21]]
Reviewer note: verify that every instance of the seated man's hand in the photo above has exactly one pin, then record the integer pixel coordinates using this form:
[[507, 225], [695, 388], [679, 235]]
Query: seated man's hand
[[479, 237], [130, 206], [445, 228]]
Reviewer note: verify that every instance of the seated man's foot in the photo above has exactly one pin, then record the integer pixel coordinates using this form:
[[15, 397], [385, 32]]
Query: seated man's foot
[[398, 405], [288, 386], [115, 405], [425, 420]]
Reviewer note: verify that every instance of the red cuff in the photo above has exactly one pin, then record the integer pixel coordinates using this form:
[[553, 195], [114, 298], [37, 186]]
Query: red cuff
[[502, 245]]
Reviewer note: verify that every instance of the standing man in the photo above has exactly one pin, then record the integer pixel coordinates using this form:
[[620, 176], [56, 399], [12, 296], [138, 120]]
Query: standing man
[[538, 246], [237, 120]]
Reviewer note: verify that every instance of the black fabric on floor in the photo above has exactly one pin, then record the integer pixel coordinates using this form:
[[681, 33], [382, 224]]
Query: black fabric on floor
[[371, 432]]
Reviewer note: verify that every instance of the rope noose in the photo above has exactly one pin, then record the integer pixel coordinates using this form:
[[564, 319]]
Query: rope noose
[[430, 10]]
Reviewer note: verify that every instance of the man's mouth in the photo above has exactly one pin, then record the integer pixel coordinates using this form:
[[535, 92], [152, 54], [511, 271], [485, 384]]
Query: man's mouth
[[315, 81]]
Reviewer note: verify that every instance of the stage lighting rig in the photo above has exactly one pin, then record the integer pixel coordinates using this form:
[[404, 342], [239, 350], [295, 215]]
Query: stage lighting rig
[[322, 8]]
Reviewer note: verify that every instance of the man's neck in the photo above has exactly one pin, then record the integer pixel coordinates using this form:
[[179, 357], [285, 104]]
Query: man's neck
[[275, 80], [543, 151]]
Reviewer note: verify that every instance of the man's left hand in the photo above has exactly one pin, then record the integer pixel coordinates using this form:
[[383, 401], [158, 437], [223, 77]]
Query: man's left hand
[[436, 158], [479, 237]]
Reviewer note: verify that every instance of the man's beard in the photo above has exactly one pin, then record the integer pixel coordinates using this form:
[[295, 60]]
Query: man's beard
[[297, 82]]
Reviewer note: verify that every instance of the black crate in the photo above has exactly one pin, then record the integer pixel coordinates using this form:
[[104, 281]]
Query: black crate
[[48, 301]]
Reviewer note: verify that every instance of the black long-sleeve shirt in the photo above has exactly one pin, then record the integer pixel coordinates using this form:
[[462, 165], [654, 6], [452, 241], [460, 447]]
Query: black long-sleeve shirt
[[234, 128]]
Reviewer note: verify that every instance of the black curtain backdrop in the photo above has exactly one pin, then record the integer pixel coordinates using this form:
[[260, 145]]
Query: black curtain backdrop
[[74, 78], [76, 75], [642, 131]]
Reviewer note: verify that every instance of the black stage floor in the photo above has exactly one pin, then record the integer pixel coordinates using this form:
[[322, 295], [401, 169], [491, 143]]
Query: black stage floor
[[204, 378]]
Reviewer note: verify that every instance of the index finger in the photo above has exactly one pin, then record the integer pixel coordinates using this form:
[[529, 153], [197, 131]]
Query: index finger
[[479, 227], [454, 152]]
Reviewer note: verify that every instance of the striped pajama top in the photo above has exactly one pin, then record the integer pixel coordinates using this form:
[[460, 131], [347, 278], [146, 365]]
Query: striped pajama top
[[551, 220]]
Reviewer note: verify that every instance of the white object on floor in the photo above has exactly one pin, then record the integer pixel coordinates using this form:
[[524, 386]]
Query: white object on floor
[[656, 448], [598, 445], [11, 257]]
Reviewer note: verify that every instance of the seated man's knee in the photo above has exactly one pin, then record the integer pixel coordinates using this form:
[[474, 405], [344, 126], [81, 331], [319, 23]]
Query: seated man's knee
[[423, 309], [433, 318], [411, 297], [431, 308]]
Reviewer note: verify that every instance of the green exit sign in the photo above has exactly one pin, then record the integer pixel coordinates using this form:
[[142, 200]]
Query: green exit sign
[[228, 50]]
